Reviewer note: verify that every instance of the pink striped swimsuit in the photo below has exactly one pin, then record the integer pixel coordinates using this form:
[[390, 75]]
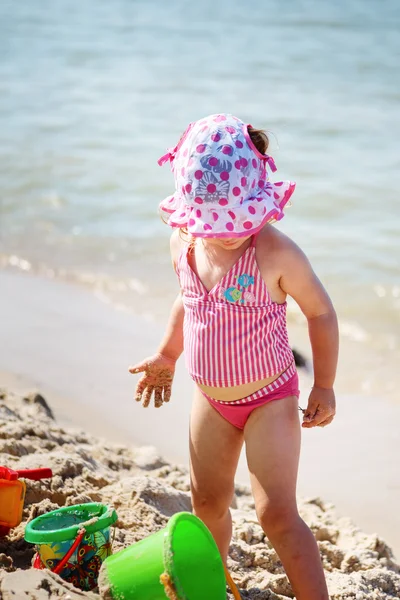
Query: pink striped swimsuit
[[234, 334]]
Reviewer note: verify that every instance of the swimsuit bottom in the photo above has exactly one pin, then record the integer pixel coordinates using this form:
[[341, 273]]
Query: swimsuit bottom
[[238, 411]]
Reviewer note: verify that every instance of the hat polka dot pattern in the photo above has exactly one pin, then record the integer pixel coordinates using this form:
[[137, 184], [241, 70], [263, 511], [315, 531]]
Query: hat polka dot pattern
[[222, 181]]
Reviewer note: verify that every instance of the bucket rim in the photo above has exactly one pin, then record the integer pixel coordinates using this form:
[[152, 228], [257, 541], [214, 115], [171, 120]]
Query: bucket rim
[[169, 558], [106, 517]]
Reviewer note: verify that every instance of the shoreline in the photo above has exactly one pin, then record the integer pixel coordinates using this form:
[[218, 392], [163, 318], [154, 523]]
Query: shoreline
[[75, 351]]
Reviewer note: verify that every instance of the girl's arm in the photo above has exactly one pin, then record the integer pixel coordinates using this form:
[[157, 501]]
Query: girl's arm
[[301, 283], [159, 369]]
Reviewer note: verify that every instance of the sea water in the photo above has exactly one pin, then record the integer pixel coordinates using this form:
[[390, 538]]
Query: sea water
[[92, 93]]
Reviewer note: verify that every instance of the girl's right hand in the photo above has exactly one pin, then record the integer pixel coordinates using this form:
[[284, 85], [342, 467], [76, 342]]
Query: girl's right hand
[[158, 375]]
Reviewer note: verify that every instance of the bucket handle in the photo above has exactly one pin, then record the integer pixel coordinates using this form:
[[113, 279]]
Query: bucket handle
[[70, 552], [232, 585]]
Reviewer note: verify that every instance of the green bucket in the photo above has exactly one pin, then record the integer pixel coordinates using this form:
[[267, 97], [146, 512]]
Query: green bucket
[[73, 541], [185, 550]]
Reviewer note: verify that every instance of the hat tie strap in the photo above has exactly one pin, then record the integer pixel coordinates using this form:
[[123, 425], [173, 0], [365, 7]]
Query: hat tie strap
[[170, 155], [271, 163]]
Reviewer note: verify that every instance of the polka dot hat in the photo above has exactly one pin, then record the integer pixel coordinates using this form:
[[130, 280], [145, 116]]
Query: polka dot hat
[[221, 180]]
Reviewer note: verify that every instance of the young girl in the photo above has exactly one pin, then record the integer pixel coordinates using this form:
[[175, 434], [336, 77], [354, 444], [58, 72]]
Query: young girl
[[235, 271]]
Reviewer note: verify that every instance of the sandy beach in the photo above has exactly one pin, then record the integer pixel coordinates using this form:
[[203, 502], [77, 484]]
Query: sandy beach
[[146, 490], [62, 342], [93, 94]]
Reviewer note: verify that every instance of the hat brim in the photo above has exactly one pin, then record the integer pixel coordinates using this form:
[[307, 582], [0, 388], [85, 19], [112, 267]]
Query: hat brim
[[209, 220]]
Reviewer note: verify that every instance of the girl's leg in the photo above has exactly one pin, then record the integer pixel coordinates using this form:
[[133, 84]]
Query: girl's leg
[[272, 436], [215, 447]]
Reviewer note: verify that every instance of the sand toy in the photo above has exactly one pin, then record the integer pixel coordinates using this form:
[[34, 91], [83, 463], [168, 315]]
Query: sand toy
[[179, 562], [12, 494], [73, 541]]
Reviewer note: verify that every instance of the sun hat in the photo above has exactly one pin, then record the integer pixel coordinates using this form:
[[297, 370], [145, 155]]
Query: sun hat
[[222, 187]]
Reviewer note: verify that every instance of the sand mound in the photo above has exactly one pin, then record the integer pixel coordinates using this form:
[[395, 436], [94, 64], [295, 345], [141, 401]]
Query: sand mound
[[146, 491]]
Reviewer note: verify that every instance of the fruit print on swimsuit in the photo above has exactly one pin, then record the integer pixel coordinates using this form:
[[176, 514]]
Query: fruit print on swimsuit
[[245, 280], [249, 297], [235, 294]]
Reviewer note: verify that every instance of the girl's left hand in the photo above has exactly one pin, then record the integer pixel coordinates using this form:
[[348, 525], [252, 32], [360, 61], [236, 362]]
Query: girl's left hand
[[321, 408]]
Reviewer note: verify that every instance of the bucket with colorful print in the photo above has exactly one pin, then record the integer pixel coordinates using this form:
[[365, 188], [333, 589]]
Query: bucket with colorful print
[[73, 541]]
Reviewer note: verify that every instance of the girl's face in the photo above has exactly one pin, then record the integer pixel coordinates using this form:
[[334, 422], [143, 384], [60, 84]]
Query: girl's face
[[226, 243]]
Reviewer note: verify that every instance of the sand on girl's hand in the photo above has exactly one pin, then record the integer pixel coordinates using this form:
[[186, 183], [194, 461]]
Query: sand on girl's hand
[[146, 491]]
